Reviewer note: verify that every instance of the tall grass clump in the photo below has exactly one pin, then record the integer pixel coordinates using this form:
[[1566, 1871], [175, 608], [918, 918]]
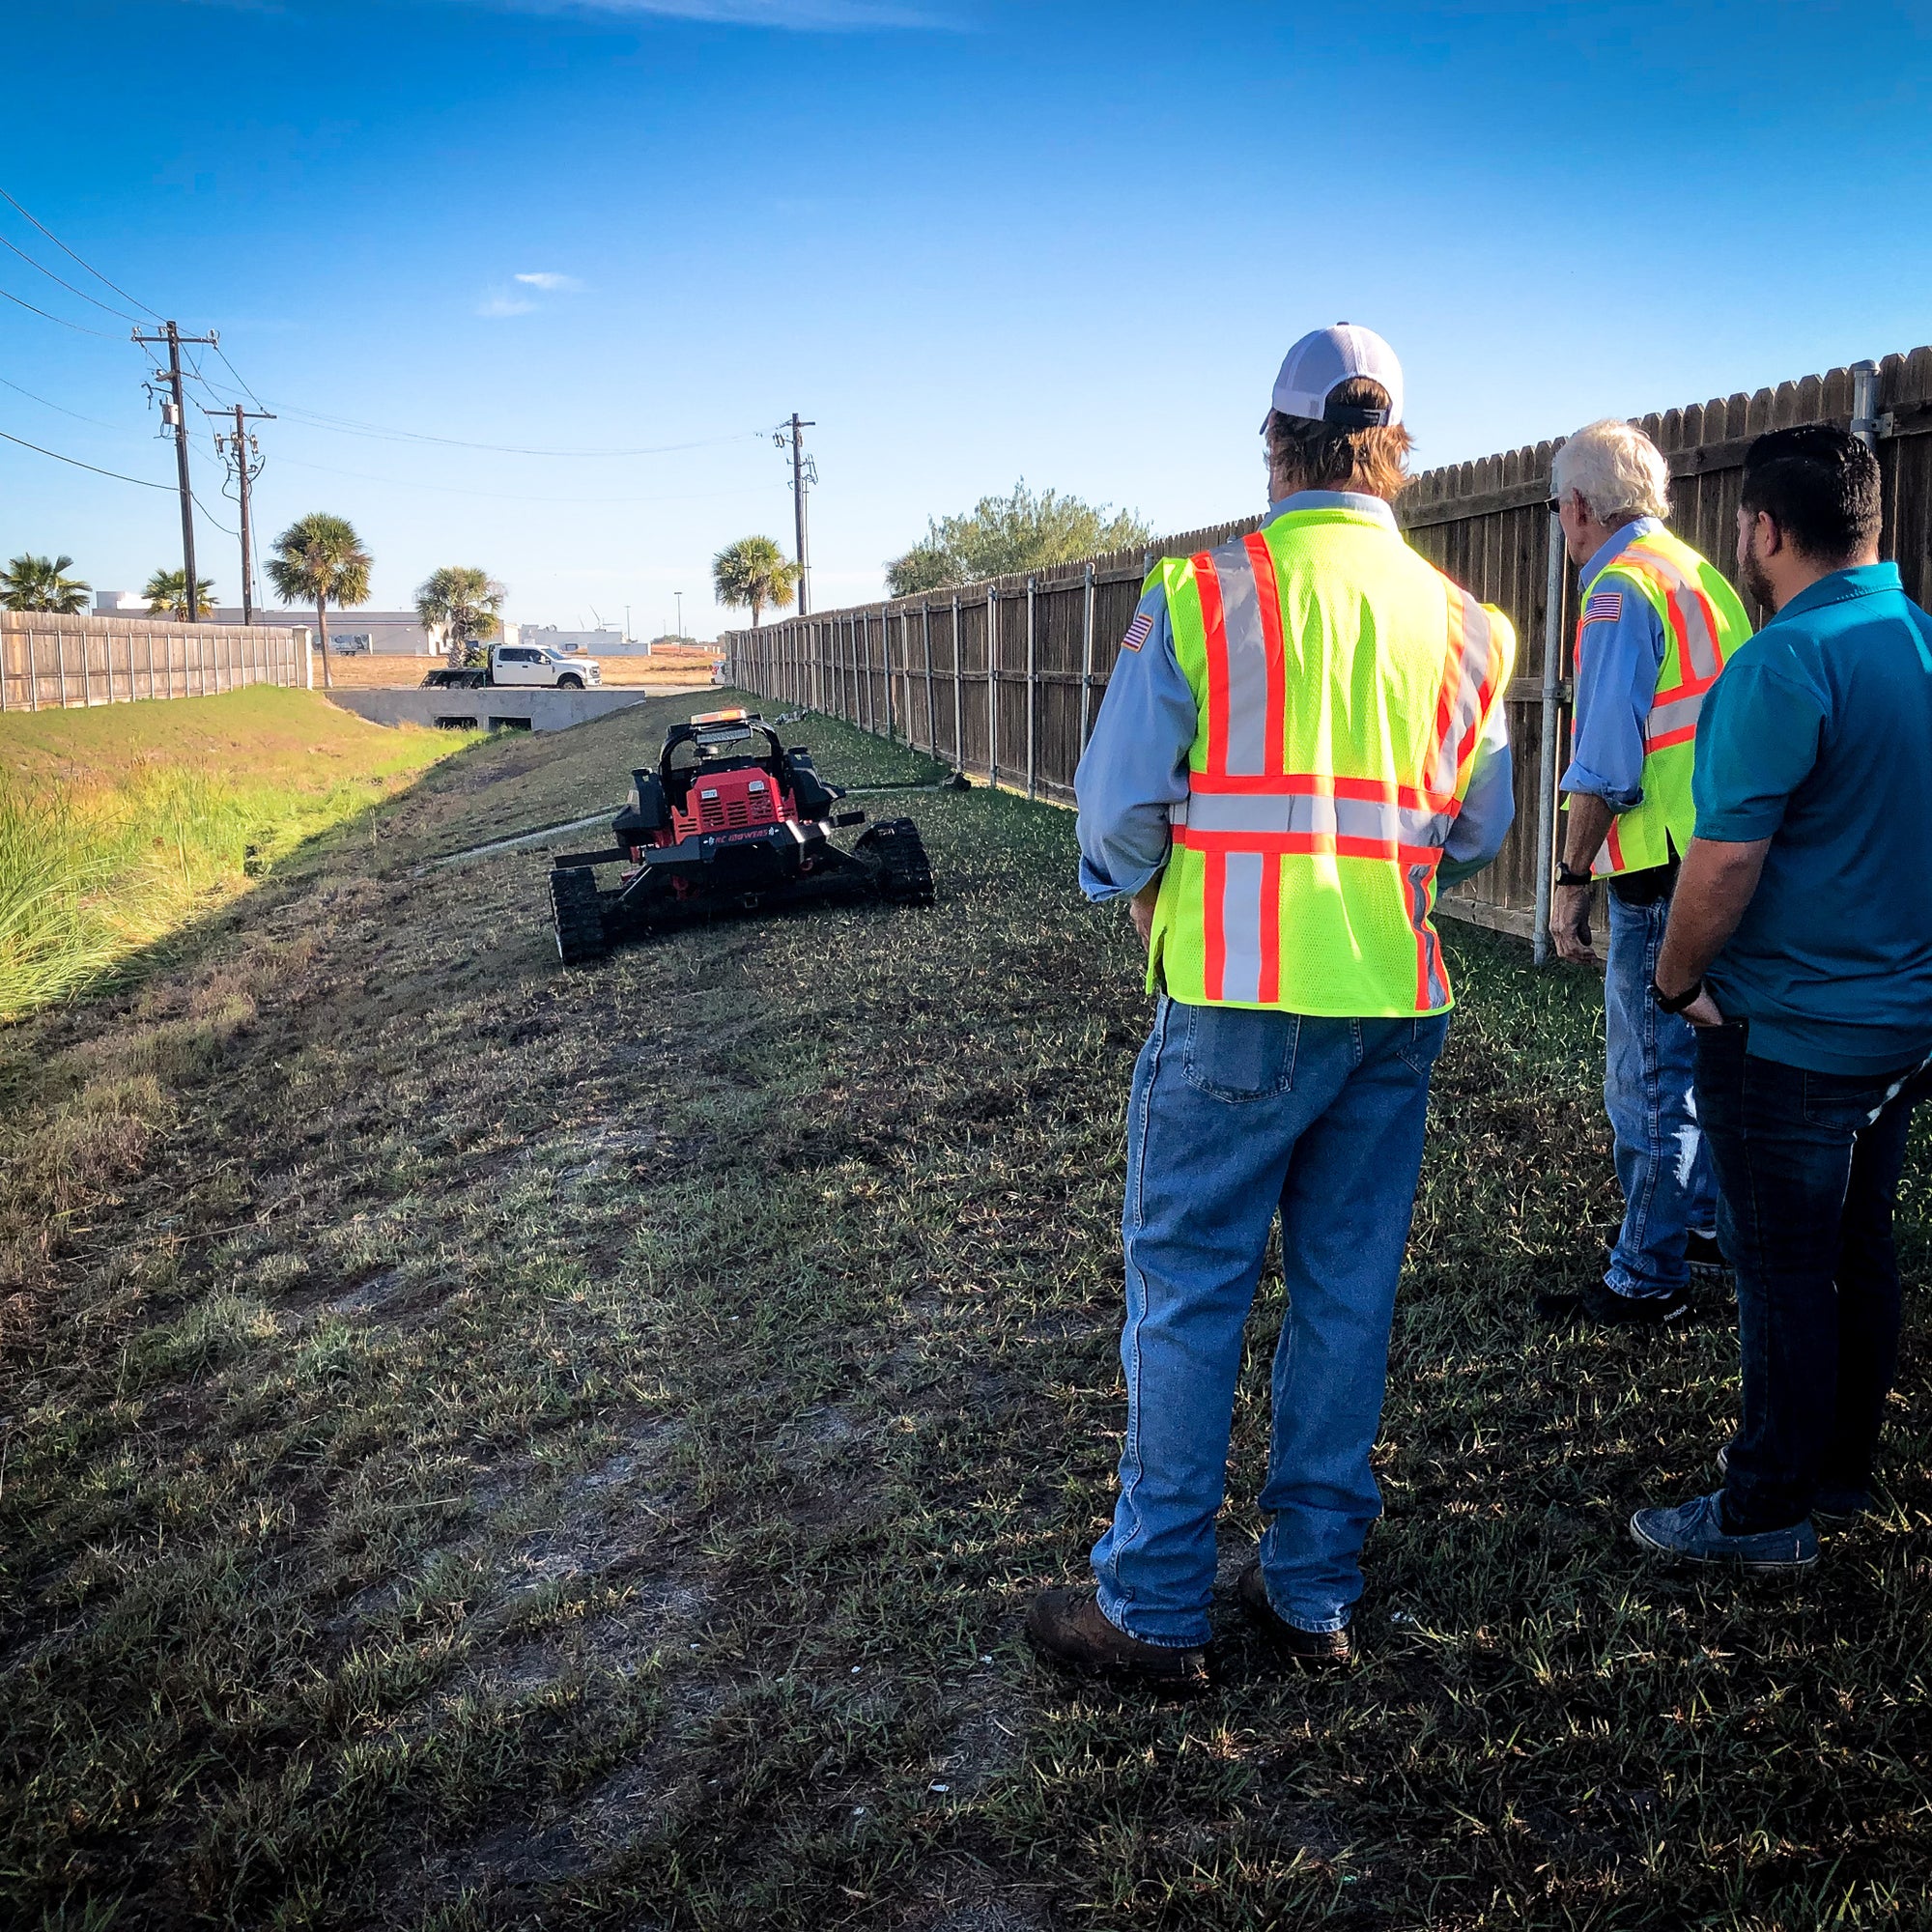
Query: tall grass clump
[[92, 870]]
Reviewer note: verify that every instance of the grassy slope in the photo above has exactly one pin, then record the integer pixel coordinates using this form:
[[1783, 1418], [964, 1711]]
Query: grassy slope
[[516, 1447], [120, 823]]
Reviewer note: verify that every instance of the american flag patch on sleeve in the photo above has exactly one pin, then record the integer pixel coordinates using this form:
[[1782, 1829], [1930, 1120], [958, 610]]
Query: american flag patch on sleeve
[[1137, 632], [1606, 607]]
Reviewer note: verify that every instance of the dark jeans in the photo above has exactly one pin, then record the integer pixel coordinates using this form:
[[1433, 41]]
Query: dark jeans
[[1807, 1173]]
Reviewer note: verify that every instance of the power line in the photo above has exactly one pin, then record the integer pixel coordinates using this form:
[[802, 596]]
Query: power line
[[61, 318], [106, 307], [212, 517], [239, 376], [70, 253], [79, 465], [45, 404]]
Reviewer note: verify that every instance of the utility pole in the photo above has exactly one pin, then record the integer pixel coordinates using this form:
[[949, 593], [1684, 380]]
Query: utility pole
[[245, 453], [176, 414], [679, 595], [804, 474]]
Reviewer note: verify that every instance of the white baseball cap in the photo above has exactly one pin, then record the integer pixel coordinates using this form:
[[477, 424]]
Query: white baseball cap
[[1321, 362]]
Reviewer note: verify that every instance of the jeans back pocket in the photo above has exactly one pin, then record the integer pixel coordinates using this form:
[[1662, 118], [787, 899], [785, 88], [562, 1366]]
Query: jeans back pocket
[[1844, 1102], [1240, 1053]]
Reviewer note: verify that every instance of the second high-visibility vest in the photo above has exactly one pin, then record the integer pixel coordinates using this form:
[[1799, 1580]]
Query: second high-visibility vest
[[1704, 623], [1342, 685]]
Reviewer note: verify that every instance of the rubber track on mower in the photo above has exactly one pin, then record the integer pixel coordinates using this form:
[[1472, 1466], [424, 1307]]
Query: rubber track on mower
[[578, 909], [905, 878]]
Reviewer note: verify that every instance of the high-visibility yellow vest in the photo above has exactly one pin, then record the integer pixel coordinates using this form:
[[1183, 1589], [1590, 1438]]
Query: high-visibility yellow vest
[[1704, 623], [1341, 684]]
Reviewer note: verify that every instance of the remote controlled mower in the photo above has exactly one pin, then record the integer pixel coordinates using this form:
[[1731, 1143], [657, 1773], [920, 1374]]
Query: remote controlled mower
[[730, 820]]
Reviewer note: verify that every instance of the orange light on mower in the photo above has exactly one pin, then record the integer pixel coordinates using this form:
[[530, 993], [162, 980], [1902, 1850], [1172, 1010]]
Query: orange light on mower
[[737, 717]]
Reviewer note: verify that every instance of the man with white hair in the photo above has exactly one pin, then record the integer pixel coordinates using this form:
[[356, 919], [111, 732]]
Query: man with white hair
[[1656, 624], [1302, 737]]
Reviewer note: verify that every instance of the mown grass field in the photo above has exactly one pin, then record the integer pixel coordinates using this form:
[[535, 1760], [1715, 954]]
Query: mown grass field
[[119, 824], [487, 1446]]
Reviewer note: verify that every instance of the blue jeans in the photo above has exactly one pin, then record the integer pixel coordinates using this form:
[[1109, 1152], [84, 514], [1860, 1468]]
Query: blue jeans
[[1809, 1164], [1235, 1114], [1663, 1163]]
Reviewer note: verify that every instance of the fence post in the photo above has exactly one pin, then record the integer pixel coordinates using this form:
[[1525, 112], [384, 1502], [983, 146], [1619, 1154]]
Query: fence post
[[926, 627], [1033, 789], [958, 695], [1086, 655], [886, 653], [1546, 779], [993, 687], [33, 671]]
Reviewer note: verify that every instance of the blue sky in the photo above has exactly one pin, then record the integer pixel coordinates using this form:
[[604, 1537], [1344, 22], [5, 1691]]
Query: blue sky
[[974, 240]]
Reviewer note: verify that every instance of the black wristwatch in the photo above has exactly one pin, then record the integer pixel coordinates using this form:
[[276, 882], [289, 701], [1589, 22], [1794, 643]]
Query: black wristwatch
[[1675, 1002], [1568, 875]]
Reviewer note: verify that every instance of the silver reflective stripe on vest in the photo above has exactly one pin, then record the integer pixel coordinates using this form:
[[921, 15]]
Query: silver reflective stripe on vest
[[1698, 650], [1674, 716], [1466, 704], [1267, 814], [1247, 660], [1241, 926], [1435, 987]]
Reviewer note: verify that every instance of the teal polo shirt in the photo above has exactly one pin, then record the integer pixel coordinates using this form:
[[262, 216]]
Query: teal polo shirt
[[1819, 737]]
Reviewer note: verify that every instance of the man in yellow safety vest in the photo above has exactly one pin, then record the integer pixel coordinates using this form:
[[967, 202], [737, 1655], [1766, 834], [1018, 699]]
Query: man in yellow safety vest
[[1656, 625], [1301, 739]]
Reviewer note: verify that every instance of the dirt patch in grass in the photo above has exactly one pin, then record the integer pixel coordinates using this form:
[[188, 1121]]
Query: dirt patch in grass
[[486, 1446]]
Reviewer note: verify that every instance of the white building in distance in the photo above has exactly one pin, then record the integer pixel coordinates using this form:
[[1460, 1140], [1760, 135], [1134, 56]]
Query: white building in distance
[[600, 643], [349, 631]]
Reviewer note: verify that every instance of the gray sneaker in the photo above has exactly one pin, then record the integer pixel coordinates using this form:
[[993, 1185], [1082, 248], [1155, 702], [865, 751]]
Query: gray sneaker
[[1836, 1505], [1695, 1532]]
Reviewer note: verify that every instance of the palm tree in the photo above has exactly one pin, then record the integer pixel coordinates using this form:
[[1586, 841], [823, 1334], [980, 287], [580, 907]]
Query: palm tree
[[166, 592], [753, 571], [41, 584], [462, 603], [318, 559]]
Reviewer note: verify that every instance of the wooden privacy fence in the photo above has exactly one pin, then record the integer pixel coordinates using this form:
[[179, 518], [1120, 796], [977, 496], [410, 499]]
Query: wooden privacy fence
[[1002, 679], [48, 661]]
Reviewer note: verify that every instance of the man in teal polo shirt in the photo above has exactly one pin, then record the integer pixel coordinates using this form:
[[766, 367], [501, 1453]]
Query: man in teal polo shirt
[[1800, 945]]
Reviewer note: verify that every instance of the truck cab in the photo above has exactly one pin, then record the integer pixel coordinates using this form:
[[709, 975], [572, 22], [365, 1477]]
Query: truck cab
[[533, 665]]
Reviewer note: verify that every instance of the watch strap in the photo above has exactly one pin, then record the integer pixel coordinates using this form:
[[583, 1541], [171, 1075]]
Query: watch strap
[[1675, 1002]]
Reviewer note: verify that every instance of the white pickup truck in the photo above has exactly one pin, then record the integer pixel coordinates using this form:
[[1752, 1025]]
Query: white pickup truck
[[521, 665]]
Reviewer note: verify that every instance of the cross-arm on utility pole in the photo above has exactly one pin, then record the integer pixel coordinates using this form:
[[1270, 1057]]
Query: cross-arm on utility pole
[[804, 474], [176, 414], [245, 454]]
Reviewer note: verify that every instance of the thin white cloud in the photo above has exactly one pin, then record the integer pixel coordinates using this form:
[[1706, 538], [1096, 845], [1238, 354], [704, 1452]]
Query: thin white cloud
[[796, 15], [552, 283], [504, 302]]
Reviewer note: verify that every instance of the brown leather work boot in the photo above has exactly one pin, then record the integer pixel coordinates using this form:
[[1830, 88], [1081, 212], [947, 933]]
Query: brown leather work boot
[[1069, 1627], [1308, 1650]]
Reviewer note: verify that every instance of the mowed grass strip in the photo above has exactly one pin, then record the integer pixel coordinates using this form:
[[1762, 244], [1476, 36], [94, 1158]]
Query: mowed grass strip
[[120, 823], [490, 1446]]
